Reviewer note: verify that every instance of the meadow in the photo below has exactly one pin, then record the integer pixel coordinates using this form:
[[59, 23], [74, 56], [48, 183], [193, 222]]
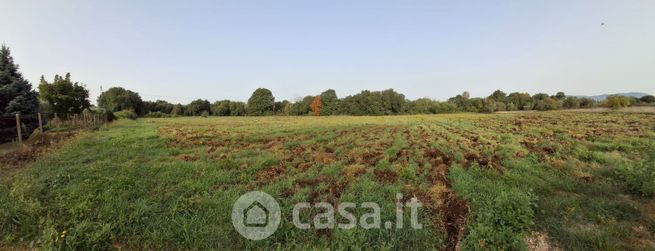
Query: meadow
[[569, 180]]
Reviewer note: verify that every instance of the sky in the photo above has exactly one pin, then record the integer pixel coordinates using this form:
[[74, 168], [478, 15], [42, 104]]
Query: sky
[[183, 50]]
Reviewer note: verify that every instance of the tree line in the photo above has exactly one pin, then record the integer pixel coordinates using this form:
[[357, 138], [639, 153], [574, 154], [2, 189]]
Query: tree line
[[386, 102], [63, 96]]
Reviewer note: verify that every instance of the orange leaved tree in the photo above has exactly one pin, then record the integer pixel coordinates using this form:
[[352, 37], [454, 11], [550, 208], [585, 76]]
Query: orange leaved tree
[[316, 106]]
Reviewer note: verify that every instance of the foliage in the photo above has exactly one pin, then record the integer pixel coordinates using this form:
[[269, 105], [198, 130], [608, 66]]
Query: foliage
[[237, 108], [640, 178], [587, 103], [329, 103], [261, 103], [282, 108], [117, 98], [571, 103], [126, 114], [647, 99], [316, 106], [178, 110], [157, 115], [159, 106], [387, 102], [616, 102], [498, 96], [16, 96], [520, 100], [63, 96], [301, 107], [221, 108], [16, 93], [197, 107]]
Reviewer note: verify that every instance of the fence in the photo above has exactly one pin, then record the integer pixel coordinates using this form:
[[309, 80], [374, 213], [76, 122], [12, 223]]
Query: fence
[[20, 126], [84, 120]]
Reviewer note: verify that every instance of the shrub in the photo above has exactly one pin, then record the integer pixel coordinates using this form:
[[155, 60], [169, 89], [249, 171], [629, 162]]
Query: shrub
[[639, 178], [616, 102], [126, 114], [157, 115]]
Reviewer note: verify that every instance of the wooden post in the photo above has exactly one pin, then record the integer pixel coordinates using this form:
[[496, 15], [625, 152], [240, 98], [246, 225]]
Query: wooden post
[[20, 135], [40, 123]]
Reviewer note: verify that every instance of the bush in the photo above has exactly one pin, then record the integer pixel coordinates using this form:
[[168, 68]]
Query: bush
[[126, 114], [157, 115], [616, 102], [640, 178]]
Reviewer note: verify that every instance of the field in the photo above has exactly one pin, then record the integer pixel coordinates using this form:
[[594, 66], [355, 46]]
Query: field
[[495, 181]]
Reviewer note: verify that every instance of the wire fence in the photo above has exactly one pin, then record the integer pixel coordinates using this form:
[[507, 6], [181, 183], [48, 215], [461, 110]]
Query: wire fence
[[19, 127], [73, 121]]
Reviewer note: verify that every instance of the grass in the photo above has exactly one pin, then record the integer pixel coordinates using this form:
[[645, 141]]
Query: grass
[[487, 182]]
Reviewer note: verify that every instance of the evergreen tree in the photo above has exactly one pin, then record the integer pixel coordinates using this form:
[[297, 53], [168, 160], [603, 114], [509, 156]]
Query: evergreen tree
[[16, 96], [16, 93]]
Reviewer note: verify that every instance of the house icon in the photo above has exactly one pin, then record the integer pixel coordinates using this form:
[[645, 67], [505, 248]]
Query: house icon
[[256, 215]]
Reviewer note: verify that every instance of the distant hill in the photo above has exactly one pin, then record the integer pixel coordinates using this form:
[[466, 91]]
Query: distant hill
[[604, 96]]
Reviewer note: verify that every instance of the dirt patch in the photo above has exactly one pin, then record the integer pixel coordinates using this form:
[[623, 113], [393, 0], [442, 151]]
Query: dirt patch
[[540, 242], [371, 158], [32, 148], [385, 176], [190, 158], [270, 174], [353, 171], [455, 216]]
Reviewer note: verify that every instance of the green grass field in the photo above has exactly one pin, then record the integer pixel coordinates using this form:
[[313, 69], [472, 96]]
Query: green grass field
[[496, 181]]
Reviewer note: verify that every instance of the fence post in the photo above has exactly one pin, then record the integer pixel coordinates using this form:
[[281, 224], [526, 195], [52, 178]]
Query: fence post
[[20, 135], [40, 124]]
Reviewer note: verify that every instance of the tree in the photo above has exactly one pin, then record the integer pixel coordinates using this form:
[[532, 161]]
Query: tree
[[261, 103], [587, 103], [520, 100], [197, 107], [221, 108], [301, 107], [647, 99], [423, 106], [237, 108], [16, 96], [616, 102], [118, 99], [316, 106], [393, 102], [157, 106], [282, 107], [560, 96], [546, 104], [367, 102], [498, 96], [329, 102], [178, 110], [64, 96], [571, 102], [16, 93], [461, 101]]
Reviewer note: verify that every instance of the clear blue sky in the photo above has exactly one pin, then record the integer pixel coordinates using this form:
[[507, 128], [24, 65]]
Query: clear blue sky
[[181, 50]]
